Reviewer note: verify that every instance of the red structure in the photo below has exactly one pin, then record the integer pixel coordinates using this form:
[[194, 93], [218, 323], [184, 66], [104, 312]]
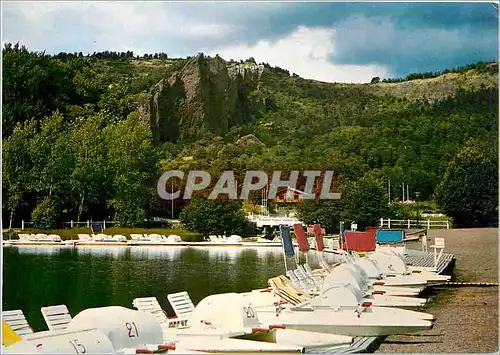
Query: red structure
[[301, 236], [360, 241], [318, 234]]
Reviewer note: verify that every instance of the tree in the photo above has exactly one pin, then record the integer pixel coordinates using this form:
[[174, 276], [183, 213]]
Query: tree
[[44, 215], [468, 191], [214, 216], [375, 80], [326, 213], [89, 182], [133, 165], [364, 201], [17, 166], [53, 157]]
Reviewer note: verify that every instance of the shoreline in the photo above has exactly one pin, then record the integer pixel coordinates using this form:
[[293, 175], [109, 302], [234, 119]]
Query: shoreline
[[467, 317]]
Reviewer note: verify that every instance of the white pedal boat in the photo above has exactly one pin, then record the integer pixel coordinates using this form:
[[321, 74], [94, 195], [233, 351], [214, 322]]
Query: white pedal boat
[[353, 278], [369, 321], [130, 329], [335, 299], [240, 320], [319, 316], [342, 276], [390, 262]]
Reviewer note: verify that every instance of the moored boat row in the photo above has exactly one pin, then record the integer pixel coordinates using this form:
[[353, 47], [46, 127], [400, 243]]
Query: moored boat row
[[135, 240], [362, 296]]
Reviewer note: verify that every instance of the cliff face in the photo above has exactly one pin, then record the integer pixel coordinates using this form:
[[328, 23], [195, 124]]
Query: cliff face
[[206, 95]]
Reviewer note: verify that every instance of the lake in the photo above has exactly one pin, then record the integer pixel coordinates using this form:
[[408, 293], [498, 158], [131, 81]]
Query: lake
[[85, 277]]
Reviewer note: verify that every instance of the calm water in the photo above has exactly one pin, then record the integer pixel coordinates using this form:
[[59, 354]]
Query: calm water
[[86, 277]]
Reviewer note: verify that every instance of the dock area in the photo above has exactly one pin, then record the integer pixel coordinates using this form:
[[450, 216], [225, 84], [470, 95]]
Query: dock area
[[467, 316], [371, 344]]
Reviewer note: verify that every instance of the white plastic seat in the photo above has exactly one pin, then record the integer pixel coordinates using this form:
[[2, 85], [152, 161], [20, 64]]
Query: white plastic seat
[[151, 305], [57, 317], [438, 244], [84, 237], [17, 322], [24, 237], [54, 238], [155, 237], [173, 238], [182, 305], [424, 243], [136, 237], [120, 238], [41, 236]]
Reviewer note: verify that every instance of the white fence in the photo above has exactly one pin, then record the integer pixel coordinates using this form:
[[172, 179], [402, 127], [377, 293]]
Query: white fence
[[74, 224], [87, 224], [262, 221], [411, 223]]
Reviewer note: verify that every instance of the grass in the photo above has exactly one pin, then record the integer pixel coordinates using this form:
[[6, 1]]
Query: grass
[[68, 234]]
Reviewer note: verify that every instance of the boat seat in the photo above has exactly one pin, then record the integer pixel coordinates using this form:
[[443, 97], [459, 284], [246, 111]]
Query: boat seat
[[151, 305], [57, 317], [182, 305], [17, 322], [136, 237], [285, 289], [438, 244], [424, 243], [24, 237], [84, 237]]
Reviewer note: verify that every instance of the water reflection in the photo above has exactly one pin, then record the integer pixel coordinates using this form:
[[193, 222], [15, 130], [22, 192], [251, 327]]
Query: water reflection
[[224, 254], [153, 252], [84, 277], [43, 249], [99, 251]]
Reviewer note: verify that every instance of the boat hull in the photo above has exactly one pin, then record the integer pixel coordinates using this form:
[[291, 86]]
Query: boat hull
[[347, 322]]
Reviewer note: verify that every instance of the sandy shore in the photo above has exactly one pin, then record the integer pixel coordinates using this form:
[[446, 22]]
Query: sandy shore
[[467, 317]]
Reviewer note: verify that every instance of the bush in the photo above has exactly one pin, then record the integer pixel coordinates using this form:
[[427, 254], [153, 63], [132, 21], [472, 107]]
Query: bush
[[44, 214], [10, 234], [326, 213], [364, 202], [214, 216]]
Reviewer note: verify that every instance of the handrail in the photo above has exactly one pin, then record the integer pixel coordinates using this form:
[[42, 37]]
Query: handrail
[[411, 223]]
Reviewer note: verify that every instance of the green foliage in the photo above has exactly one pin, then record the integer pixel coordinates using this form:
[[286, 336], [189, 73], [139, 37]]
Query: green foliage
[[468, 191], [209, 216], [35, 85], [72, 132], [326, 213], [133, 166], [116, 103], [17, 165], [45, 213], [364, 202], [480, 67]]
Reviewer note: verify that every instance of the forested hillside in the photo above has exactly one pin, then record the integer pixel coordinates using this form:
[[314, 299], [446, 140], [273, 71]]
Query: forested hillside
[[89, 136]]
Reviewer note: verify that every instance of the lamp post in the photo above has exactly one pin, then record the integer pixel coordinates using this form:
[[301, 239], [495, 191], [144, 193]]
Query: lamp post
[[418, 216]]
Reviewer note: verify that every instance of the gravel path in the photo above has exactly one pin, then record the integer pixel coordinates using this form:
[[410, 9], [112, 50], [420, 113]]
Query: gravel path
[[467, 317]]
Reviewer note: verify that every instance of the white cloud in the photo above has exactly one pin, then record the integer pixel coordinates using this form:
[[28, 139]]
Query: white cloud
[[128, 25], [306, 52]]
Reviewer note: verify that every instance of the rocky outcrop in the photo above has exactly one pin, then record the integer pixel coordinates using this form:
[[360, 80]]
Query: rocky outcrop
[[206, 95]]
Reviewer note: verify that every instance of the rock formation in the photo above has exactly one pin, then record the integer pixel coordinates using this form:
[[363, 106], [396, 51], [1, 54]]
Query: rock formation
[[206, 95]]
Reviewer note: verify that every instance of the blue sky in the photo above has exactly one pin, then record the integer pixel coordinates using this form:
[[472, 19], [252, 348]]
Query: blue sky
[[336, 42]]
